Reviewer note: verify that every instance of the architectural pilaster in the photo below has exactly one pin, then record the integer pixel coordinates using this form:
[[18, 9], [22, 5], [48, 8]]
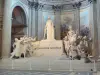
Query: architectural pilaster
[[29, 21], [77, 20], [57, 21], [98, 23], [36, 19], [57, 25], [33, 23], [6, 34], [77, 6], [91, 20], [40, 26], [1, 23], [95, 26]]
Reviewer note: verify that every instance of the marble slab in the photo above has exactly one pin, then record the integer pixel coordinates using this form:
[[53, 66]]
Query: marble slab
[[50, 48]]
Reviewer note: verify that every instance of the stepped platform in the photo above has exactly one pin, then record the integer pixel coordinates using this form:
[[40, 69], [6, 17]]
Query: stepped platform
[[45, 63], [17, 72], [50, 48]]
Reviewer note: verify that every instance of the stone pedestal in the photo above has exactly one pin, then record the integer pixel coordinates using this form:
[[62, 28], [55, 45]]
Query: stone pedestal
[[50, 48]]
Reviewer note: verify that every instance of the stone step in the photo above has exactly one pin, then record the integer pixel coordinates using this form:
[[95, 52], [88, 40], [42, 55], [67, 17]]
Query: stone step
[[17, 72], [45, 64]]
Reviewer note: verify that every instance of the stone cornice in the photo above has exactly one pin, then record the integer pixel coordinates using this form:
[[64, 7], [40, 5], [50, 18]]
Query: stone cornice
[[57, 2], [44, 4], [35, 5]]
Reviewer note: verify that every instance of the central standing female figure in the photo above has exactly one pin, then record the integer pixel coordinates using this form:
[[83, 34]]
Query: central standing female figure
[[49, 30]]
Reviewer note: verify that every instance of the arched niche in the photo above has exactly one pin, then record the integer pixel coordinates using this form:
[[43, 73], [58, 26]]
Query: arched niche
[[19, 24]]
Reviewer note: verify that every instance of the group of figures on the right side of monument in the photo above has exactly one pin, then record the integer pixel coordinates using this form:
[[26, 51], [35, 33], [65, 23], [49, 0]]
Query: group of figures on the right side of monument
[[77, 46]]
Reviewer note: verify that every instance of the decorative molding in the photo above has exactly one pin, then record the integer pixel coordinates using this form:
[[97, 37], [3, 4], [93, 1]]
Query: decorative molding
[[57, 7], [38, 6], [94, 0], [35, 5], [57, 4], [90, 1], [30, 4], [77, 5]]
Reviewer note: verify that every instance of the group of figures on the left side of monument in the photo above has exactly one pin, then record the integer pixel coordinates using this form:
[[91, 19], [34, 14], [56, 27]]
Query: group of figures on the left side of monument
[[24, 45], [77, 46], [27, 45]]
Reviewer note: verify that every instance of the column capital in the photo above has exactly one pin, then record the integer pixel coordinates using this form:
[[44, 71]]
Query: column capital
[[38, 6], [30, 4], [92, 1], [35, 5], [77, 5], [57, 7]]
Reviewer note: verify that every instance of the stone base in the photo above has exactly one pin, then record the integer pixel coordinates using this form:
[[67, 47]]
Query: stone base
[[50, 48], [51, 64]]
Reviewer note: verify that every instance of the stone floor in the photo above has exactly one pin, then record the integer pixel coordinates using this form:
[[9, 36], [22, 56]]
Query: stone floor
[[46, 64], [16, 72]]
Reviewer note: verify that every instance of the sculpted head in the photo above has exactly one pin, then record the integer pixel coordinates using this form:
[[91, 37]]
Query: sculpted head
[[49, 17], [84, 37], [81, 42], [79, 37], [70, 27], [21, 38], [49, 22], [90, 39], [25, 36], [16, 39]]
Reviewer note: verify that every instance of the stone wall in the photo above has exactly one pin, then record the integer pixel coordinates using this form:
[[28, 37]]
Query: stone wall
[[36, 19], [1, 23], [98, 22], [9, 5]]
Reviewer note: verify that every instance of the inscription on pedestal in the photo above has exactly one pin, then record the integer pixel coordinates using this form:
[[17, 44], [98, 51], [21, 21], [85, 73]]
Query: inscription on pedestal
[[49, 47]]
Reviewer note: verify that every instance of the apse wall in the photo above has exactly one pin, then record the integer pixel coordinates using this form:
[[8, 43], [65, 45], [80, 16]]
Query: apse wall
[[63, 17], [45, 15], [37, 17]]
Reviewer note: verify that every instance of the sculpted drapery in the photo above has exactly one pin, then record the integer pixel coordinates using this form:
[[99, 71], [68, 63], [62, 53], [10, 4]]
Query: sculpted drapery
[[49, 30]]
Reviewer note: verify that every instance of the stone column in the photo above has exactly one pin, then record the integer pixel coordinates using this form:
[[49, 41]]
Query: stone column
[[57, 20], [98, 23], [77, 19], [77, 6], [33, 23], [40, 35], [57, 25], [95, 26], [91, 21], [36, 19], [30, 21], [1, 23], [6, 34]]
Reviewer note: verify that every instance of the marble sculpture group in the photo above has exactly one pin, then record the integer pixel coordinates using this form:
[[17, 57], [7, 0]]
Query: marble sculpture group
[[74, 44]]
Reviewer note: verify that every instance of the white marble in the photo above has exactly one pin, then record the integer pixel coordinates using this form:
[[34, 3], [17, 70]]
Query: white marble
[[50, 48], [6, 41], [49, 30]]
